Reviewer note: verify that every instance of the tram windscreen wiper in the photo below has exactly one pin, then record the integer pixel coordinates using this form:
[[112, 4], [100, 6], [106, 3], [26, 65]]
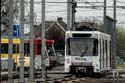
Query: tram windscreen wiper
[[84, 51]]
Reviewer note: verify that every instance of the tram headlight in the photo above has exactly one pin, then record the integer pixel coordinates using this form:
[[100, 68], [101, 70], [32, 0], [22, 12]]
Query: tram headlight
[[97, 69], [67, 61], [96, 65]]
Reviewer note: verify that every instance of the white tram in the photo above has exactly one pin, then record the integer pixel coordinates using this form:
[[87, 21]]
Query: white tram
[[87, 52]]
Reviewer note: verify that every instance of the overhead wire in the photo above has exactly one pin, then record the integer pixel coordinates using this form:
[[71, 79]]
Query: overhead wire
[[120, 1], [80, 2]]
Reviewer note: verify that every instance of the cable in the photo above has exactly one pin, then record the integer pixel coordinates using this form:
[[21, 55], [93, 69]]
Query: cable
[[57, 5], [120, 1], [38, 2], [99, 6], [56, 11]]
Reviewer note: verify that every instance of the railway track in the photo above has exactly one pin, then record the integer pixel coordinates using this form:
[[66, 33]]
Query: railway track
[[65, 78], [57, 76], [15, 76], [82, 80]]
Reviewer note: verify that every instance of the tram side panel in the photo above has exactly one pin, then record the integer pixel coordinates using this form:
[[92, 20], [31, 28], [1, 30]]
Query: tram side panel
[[105, 55]]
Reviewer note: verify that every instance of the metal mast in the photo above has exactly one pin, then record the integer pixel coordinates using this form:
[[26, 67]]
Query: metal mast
[[114, 30], [22, 19], [105, 28], [74, 5], [10, 62], [43, 66], [68, 14], [31, 39]]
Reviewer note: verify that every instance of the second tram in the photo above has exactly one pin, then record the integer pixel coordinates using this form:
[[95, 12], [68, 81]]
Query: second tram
[[51, 59]]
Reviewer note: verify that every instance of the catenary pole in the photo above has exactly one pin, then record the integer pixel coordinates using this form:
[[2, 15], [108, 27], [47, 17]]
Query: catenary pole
[[68, 14], [31, 39], [43, 66], [71, 15], [105, 28], [74, 4], [10, 62], [114, 31], [22, 19]]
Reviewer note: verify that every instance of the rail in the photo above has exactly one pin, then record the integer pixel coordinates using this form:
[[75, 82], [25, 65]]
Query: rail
[[116, 74]]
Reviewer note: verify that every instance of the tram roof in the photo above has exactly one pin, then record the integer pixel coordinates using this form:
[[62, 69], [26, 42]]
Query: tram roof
[[92, 32], [100, 34]]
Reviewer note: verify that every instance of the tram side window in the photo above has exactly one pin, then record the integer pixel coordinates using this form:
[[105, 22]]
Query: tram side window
[[50, 50], [103, 52], [100, 53], [26, 49], [39, 49], [68, 47], [15, 48], [106, 49], [4, 48], [95, 48]]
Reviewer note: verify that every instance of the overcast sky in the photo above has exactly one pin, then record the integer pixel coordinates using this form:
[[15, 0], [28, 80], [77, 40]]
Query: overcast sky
[[54, 10]]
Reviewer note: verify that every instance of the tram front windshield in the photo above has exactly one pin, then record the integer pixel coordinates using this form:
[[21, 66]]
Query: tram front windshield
[[50, 50], [82, 47]]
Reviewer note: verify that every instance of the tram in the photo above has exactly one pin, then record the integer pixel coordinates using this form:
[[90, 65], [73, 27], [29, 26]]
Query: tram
[[51, 59], [87, 52], [5, 46]]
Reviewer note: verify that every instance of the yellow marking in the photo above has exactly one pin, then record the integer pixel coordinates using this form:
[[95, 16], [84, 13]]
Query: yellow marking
[[5, 40]]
